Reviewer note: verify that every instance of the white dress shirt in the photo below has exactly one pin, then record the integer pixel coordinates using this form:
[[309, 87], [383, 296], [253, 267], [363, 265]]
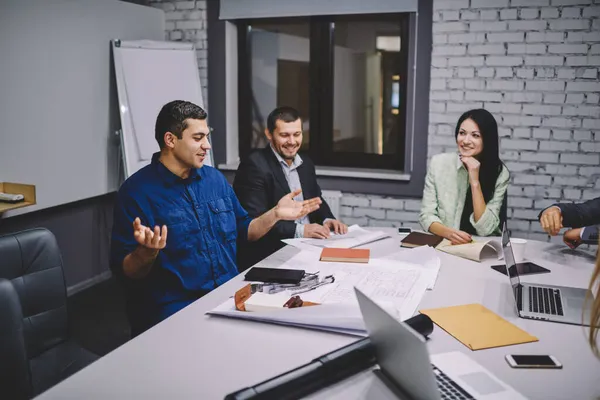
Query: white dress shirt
[[293, 179]]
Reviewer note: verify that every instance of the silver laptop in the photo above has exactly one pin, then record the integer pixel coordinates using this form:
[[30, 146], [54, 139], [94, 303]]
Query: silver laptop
[[405, 363], [545, 302]]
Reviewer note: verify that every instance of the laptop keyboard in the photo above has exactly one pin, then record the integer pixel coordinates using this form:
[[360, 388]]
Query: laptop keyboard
[[545, 300], [448, 388]]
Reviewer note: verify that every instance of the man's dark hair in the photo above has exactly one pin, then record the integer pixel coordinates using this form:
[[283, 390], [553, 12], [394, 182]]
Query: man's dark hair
[[284, 113], [172, 117]]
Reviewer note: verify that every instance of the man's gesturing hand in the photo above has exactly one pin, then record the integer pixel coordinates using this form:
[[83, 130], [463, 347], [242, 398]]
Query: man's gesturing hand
[[151, 239], [289, 209]]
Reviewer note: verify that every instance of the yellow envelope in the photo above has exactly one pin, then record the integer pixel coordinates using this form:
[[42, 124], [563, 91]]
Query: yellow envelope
[[477, 327]]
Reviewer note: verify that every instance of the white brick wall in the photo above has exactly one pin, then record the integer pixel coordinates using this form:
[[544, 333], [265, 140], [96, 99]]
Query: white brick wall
[[534, 64], [186, 21]]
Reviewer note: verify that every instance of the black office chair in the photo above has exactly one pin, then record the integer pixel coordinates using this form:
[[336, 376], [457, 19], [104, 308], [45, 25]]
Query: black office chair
[[15, 379], [30, 261]]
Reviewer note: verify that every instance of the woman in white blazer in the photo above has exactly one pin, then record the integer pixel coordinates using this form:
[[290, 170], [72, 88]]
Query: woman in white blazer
[[465, 192]]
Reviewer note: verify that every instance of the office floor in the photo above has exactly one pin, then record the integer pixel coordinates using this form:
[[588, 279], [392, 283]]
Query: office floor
[[97, 317]]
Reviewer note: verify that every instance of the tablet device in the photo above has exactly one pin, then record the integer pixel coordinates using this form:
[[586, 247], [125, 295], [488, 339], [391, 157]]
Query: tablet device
[[274, 275], [524, 268]]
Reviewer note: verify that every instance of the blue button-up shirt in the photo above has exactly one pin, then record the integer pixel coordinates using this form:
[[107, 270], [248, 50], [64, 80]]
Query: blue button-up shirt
[[203, 217]]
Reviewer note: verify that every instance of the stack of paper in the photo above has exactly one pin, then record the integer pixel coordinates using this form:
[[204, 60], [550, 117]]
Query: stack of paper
[[341, 318], [396, 285], [424, 257], [355, 237]]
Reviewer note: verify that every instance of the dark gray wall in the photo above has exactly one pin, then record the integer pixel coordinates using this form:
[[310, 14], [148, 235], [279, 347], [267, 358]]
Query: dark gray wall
[[66, 146], [82, 230]]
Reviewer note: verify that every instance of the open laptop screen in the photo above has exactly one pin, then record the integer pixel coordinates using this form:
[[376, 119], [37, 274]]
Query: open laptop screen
[[509, 259]]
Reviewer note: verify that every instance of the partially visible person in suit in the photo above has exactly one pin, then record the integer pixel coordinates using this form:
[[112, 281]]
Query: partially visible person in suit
[[268, 174], [580, 217], [595, 315], [584, 235], [465, 193]]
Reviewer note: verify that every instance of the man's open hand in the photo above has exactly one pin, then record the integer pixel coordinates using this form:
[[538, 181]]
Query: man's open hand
[[151, 239], [289, 209]]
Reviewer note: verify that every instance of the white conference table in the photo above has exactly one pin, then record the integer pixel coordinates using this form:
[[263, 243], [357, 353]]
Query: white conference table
[[193, 355]]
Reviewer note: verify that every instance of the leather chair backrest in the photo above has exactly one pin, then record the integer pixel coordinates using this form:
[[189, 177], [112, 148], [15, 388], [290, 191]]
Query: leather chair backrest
[[31, 260], [15, 377]]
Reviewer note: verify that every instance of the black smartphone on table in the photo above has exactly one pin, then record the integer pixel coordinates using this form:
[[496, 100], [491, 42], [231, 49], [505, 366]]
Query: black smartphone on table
[[275, 275], [532, 361], [524, 268]]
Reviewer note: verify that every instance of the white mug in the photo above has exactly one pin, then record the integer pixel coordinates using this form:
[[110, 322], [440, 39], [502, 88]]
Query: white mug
[[518, 248]]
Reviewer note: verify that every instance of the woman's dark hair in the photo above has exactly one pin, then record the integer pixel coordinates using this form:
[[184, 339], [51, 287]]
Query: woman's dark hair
[[491, 166]]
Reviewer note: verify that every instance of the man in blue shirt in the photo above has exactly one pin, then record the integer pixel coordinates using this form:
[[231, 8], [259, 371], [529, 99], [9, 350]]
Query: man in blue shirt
[[196, 208]]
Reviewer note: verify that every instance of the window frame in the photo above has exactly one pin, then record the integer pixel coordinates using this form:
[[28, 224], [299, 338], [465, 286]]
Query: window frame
[[321, 92], [224, 104]]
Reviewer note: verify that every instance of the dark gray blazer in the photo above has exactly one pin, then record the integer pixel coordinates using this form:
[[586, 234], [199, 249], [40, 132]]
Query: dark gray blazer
[[582, 214]]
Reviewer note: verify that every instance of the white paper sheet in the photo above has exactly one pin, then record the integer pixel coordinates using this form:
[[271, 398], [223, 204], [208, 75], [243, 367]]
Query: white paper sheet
[[355, 237], [397, 286], [341, 318], [425, 257]]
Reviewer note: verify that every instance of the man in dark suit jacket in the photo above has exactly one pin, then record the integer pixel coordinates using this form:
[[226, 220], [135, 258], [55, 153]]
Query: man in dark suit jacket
[[267, 174], [581, 217]]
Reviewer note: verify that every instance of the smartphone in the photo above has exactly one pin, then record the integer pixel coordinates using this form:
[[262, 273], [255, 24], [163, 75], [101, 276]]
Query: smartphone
[[524, 268], [274, 275], [532, 361], [404, 230]]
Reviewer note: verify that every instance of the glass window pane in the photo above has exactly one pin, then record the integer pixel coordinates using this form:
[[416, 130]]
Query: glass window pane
[[280, 72], [366, 94]]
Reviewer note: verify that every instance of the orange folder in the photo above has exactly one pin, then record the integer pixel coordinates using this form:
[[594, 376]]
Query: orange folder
[[477, 327]]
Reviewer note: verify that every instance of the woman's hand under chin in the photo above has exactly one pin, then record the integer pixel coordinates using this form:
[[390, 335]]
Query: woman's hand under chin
[[472, 165]]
